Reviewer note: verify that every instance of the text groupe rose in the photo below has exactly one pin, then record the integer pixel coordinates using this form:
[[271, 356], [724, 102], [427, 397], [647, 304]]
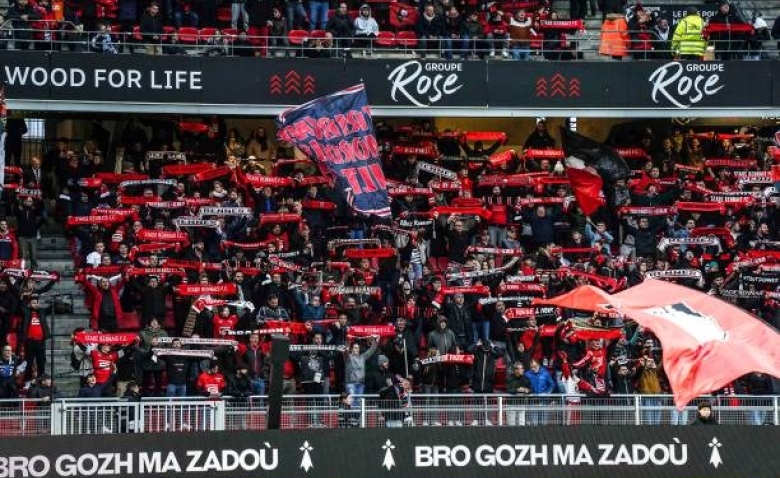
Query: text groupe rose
[[103, 77]]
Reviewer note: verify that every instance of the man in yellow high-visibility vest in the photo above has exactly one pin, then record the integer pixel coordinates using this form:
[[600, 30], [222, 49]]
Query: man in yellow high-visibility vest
[[688, 40]]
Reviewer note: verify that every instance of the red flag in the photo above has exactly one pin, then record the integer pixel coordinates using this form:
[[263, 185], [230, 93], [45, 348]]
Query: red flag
[[586, 184], [707, 343], [776, 173]]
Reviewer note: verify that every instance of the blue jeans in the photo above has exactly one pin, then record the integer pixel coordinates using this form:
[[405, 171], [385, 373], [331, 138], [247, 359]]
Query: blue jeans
[[356, 388], [176, 390], [481, 330], [258, 386], [295, 12], [520, 52], [318, 15], [679, 417], [651, 415], [760, 417], [462, 44], [357, 234]]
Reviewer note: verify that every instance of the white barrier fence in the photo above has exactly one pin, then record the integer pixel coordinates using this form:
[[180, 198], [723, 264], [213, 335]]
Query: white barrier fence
[[108, 416]]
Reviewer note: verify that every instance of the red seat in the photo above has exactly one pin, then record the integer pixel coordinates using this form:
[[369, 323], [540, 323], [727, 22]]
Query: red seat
[[205, 33], [230, 32], [296, 37], [137, 33], [406, 39], [385, 39], [318, 34], [167, 31], [188, 35]]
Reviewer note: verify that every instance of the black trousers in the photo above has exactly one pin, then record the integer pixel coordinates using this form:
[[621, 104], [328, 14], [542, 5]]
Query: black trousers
[[35, 350]]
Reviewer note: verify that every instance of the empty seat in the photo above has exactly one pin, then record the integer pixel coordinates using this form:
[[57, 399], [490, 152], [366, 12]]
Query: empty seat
[[188, 35], [385, 40]]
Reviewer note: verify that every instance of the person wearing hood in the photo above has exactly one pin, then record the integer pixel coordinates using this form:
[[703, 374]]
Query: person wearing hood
[[366, 29]]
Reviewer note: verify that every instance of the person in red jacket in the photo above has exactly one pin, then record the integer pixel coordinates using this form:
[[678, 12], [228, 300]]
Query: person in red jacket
[[105, 302], [224, 322], [211, 383], [9, 245], [497, 34], [104, 366]]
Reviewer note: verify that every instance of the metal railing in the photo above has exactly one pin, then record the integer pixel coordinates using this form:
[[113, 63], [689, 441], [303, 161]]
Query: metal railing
[[159, 415], [580, 45]]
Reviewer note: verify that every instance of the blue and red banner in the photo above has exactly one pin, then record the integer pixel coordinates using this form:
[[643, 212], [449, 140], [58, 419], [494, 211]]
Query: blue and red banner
[[337, 133]]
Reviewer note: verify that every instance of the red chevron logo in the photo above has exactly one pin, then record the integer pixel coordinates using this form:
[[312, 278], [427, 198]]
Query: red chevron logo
[[292, 74], [574, 88], [275, 85], [309, 85], [541, 87]]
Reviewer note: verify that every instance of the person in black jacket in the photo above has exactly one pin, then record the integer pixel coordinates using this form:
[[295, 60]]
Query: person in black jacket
[[176, 368], [342, 28], [483, 373], [152, 29], [240, 384], [430, 30], [22, 14], [727, 43], [459, 318], [704, 415], [152, 296], [33, 334], [29, 220], [644, 235]]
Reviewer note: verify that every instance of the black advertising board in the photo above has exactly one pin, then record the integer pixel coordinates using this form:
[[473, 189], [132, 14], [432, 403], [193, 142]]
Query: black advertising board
[[177, 84], [280, 81], [557, 85], [676, 12], [530, 452], [115, 78], [685, 84], [419, 83]]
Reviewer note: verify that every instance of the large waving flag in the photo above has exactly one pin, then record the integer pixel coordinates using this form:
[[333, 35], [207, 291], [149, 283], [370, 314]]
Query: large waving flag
[[590, 166], [336, 132], [707, 343]]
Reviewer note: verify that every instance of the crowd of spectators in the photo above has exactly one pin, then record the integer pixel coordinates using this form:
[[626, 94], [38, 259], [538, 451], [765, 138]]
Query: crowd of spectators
[[188, 267], [447, 28]]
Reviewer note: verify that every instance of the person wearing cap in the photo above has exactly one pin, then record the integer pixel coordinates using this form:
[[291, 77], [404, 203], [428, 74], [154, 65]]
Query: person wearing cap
[[704, 415], [688, 40]]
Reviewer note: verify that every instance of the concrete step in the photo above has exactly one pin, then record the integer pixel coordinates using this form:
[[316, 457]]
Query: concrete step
[[54, 254], [49, 243]]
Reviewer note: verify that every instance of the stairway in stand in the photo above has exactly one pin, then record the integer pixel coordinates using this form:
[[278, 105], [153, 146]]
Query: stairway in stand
[[54, 255]]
